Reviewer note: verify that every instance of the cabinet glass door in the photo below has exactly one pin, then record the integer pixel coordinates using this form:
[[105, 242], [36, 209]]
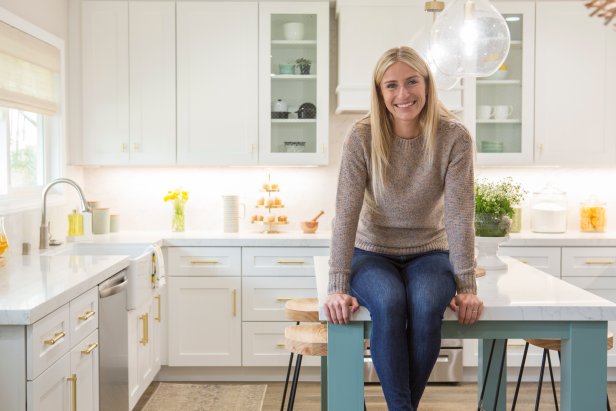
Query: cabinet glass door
[[504, 100], [293, 86], [294, 83]]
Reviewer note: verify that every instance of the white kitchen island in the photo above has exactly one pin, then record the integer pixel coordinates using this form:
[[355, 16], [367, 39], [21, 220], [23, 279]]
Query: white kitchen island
[[522, 302]]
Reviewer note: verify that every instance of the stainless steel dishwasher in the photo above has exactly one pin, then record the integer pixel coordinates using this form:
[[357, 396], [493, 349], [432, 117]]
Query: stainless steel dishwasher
[[113, 347]]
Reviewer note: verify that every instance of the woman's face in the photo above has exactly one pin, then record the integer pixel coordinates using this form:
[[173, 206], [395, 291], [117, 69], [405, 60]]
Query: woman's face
[[404, 93]]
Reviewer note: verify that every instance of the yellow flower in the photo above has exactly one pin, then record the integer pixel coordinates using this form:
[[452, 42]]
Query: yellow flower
[[176, 194]]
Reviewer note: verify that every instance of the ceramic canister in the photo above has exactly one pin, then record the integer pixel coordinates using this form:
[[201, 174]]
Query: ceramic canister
[[100, 221]]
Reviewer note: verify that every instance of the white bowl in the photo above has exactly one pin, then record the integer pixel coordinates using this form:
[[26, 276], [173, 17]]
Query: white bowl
[[499, 75], [293, 31]]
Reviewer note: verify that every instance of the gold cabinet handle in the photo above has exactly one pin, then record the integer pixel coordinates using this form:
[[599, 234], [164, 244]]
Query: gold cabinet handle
[[234, 302], [298, 262], [158, 304], [145, 338], [73, 380], [524, 261], [205, 262], [599, 262], [87, 315], [57, 337], [280, 344], [124, 147], [90, 348], [283, 299]]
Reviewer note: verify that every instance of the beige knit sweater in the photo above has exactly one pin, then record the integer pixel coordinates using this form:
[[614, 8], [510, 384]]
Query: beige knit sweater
[[422, 206]]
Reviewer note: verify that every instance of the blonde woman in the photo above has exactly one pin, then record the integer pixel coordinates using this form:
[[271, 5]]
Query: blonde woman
[[403, 236]]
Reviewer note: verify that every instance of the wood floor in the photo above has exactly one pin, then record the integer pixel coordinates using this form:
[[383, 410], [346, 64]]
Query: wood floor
[[437, 397]]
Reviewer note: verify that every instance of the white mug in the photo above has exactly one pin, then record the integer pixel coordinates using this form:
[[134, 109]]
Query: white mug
[[502, 112], [484, 112]]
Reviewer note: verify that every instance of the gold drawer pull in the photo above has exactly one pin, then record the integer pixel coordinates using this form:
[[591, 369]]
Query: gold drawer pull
[[599, 262], [283, 299], [90, 348], [524, 261], [298, 262], [87, 315], [234, 302], [73, 380], [145, 338], [280, 344], [205, 262], [158, 303], [57, 337]]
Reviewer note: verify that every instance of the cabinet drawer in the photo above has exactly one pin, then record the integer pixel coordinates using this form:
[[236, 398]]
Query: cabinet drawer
[[204, 261], [543, 258], [264, 297], [51, 390], [47, 340], [589, 261], [283, 261], [263, 346], [83, 312]]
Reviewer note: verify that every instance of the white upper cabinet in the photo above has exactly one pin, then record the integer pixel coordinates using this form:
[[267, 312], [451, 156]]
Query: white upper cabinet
[[152, 82], [104, 48], [366, 29], [293, 99], [217, 80], [128, 82], [501, 107], [575, 99]]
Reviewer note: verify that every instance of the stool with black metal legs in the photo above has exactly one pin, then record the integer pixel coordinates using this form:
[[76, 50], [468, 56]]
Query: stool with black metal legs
[[298, 310], [548, 344]]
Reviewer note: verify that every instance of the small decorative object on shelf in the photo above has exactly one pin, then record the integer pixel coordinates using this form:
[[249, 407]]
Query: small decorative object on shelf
[[4, 242], [179, 198], [494, 209], [304, 65], [270, 203]]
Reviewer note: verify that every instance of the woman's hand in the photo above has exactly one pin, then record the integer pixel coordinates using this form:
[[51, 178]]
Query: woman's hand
[[468, 306], [339, 307]]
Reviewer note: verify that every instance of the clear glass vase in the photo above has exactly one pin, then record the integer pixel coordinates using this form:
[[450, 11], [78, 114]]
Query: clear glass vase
[[492, 225], [177, 222]]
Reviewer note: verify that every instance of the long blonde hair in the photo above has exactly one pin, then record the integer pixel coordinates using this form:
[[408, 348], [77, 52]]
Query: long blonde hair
[[381, 121]]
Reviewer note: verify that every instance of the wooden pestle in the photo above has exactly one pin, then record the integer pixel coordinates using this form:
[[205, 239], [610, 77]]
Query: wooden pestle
[[318, 215]]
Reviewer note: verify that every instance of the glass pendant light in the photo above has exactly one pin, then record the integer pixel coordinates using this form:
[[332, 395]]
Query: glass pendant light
[[421, 43], [469, 38]]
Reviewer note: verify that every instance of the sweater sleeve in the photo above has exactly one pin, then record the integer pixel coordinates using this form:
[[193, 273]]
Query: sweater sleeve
[[352, 182], [460, 212]]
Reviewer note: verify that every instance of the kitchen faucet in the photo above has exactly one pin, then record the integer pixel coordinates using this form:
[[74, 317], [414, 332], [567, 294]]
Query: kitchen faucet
[[44, 237]]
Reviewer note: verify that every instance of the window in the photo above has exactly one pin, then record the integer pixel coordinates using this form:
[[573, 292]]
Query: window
[[30, 111]]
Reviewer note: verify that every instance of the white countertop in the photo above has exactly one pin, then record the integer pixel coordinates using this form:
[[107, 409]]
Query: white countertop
[[33, 286], [520, 293], [568, 239]]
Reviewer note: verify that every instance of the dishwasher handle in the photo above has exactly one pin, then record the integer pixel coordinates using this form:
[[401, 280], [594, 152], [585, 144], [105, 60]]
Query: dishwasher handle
[[112, 286]]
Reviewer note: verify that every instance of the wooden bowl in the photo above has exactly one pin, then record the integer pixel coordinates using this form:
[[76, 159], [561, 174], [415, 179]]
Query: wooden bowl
[[309, 227]]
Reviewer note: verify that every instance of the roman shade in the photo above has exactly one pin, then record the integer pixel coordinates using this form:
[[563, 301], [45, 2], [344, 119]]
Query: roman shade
[[29, 72]]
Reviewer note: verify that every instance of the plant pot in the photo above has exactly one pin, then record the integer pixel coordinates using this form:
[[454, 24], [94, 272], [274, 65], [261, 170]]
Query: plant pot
[[491, 225], [304, 68]]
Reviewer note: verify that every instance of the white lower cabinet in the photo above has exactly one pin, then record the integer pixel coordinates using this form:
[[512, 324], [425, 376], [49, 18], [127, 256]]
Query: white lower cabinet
[[141, 369], [543, 258], [205, 321], [61, 362]]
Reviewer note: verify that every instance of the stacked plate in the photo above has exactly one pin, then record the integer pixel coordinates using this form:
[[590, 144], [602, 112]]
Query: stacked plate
[[488, 146], [231, 213]]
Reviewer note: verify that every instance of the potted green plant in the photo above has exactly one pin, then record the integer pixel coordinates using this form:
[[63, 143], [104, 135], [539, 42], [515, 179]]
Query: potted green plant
[[494, 206], [304, 65]]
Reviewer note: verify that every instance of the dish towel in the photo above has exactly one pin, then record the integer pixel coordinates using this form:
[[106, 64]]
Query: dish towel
[[158, 263]]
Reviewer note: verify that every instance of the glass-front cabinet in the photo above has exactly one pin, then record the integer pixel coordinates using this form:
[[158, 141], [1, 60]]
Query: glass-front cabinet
[[293, 82], [503, 109]]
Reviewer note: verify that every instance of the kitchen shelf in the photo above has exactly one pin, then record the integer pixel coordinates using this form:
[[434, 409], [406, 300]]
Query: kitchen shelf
[[294, 43], [294, 76], [498, 82], [294, 121], [506, 121]]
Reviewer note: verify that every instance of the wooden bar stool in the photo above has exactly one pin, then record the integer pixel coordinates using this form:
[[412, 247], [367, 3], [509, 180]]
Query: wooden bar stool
[[548, 344], [298, 310]]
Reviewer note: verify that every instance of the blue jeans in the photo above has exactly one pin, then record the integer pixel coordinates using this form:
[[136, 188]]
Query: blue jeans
[[407, 297]]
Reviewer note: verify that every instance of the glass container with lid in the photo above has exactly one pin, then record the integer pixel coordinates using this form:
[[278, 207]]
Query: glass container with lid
[[592, 216], [549, 211]]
